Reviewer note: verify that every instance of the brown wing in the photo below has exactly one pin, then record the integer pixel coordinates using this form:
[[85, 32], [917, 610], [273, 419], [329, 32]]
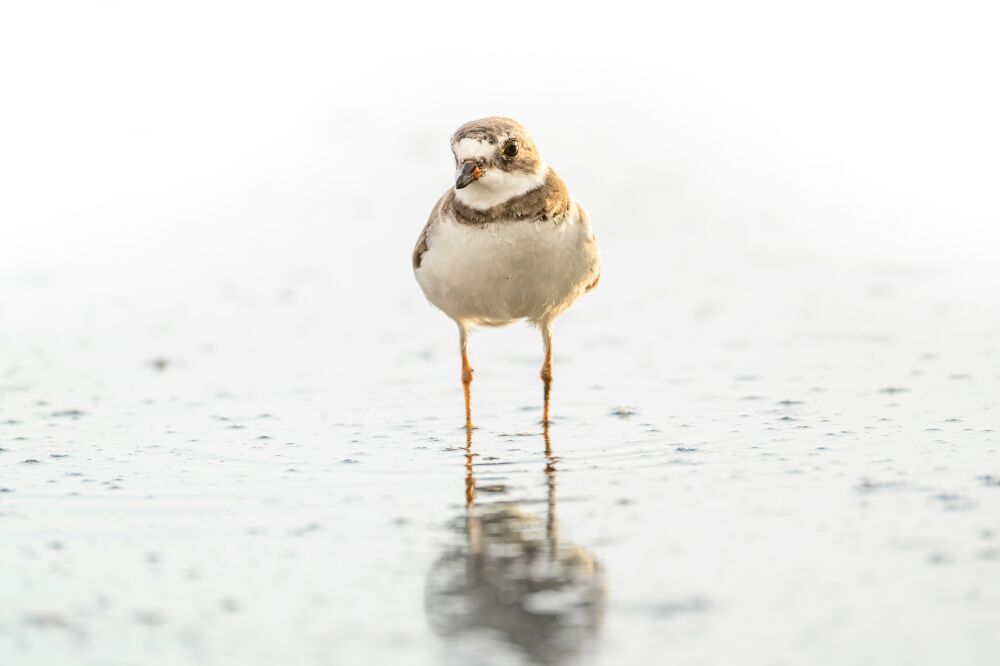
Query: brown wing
[[421, 246], [585, 220]]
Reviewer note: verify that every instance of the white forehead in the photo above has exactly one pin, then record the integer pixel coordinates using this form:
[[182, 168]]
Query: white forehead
[[469, 148]]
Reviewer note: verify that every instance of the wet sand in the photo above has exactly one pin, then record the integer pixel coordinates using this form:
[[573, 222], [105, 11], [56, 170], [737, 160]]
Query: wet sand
[[231, 428], [774, 463]]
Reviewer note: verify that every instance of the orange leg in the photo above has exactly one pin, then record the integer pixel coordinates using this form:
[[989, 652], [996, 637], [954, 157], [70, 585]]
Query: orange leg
[[466, 376], [546, 373]]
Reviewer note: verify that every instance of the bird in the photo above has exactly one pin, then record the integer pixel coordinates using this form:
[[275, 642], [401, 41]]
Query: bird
[[506, 243]]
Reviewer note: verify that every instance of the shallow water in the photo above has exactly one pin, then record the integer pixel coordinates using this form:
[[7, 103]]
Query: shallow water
[[231, 427], [769, 465]]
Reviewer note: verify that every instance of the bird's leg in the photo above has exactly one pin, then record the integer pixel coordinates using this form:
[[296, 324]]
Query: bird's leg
[[466, 375], [546, 373]]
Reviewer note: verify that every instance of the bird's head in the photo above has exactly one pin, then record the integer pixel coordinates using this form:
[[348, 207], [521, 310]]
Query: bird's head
[[495, 160]]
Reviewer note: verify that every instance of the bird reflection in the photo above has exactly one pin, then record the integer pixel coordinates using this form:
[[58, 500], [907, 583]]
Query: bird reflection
[[513, 577]]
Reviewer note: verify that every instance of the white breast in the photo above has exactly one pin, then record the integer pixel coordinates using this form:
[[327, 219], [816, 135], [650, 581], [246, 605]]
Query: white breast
[[499, 273]]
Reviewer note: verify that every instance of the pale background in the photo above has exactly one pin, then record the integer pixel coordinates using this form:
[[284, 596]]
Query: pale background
[[797, 205]]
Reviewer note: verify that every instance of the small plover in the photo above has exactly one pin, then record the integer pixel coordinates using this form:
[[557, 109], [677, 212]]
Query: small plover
[[506, 243]]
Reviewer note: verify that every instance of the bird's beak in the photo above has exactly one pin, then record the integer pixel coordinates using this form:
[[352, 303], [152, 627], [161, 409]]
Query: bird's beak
[[470, 172]]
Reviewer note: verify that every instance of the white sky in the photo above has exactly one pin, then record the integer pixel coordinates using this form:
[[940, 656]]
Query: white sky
[[152, 134]]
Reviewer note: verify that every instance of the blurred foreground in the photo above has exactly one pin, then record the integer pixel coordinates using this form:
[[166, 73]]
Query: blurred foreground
[[230, 427]]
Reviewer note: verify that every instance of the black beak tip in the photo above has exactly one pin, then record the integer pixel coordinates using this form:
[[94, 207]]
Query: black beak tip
[[469, 173]]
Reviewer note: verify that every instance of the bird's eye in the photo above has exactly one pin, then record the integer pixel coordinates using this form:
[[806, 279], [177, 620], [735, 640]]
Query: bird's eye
[[510, 149]]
